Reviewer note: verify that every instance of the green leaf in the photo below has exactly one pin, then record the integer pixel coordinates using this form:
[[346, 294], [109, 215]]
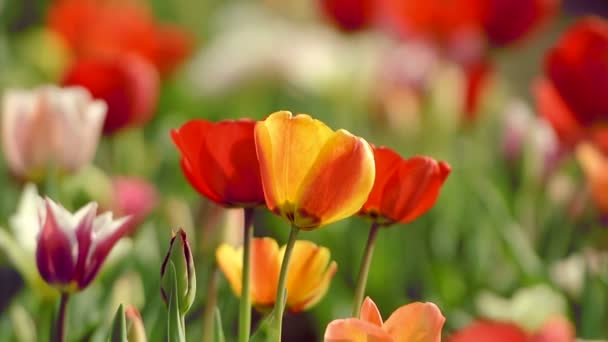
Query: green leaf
[[218, 331], [119, 326], [175, 323]]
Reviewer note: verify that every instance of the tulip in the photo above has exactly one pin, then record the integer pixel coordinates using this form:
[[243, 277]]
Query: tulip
[[180, 256], [420, 322], [556, 329], [134, 197], [72, 248], [595, 166], [349, 15], [219, 160], [307, 281], [50, 127], [311, 175], [128, 84], [571, 96], [404, 188], [135, 325], [93, 28]]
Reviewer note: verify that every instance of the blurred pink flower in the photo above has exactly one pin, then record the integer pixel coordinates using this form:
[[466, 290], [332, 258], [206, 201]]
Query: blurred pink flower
[[50, 127], [133, 197], [72, 247]]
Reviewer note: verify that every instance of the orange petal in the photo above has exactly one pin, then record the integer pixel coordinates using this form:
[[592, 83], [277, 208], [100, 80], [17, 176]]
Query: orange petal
[[230, 261], [415, 322], [355, 330], [370, 312], [265, 269], [386, 161], [595, 166], [310, 273], [287, 147], [338, 182]]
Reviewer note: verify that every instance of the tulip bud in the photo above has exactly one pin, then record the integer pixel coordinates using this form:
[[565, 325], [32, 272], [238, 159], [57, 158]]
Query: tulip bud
[[180, 256], [135, 325]]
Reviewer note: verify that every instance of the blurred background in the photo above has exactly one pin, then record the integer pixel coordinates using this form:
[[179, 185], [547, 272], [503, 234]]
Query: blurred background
[[518, 233]]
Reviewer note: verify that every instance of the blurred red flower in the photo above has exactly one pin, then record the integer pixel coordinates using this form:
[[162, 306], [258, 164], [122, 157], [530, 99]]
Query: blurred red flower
[[104, 27], [572, 96], [128, 84], [220, 162], [348, 15], [556, 329], [403, 189]]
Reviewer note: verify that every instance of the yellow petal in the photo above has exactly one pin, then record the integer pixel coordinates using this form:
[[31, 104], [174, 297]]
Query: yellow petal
[[338, 182], [355, 330], [370, 312], [230, 261], [415, 322], [287, 146], [265, 267], [309, 275]]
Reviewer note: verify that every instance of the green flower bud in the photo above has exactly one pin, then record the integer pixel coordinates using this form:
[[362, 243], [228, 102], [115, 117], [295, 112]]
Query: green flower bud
[[180, 256]]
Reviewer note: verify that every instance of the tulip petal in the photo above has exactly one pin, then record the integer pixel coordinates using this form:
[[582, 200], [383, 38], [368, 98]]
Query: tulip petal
[[287, 147], [265, 268], [338, 182], [188, 140], [482, 331], [415, 322], [555, 329], [355, 330], [309, 275], [387, 163], [595, 167], [414, 188], [230, 261], [370, 312], [54, 255]]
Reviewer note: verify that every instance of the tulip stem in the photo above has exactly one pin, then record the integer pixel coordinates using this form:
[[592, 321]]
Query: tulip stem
[[62, 317], [245, 303], [364, 269], [279, 303]]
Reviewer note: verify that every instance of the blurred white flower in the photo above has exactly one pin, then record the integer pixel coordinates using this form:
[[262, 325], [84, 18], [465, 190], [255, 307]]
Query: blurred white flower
[[529, 307], [50, 127]]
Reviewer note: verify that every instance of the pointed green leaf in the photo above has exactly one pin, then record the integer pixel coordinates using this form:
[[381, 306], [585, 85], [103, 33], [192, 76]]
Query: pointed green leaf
[[175, 326], [119, 326]]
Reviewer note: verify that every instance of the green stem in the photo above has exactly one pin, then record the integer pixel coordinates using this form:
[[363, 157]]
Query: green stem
[[62, 317], [208, 314], [364, 269], [245, 303], [279, 303]]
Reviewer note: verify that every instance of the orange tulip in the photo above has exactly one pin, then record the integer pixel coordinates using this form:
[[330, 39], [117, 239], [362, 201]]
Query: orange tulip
[[312, 175], [404, 188], [308, 279], [420, 322], [595, 166]]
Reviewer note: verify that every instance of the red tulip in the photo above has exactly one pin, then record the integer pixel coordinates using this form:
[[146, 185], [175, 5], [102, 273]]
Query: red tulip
[[94, 28], [482, 331], [506, 21], [404, 189], [128, 84], [572, 97], [349, 15], [219, 160]]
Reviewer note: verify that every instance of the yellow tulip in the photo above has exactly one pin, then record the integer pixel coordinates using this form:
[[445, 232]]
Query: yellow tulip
[[312, 175], [307, 281]]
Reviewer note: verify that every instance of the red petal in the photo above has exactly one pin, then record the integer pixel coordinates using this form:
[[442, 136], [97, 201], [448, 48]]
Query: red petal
[[387, 162], [220, 160], [483, 331]]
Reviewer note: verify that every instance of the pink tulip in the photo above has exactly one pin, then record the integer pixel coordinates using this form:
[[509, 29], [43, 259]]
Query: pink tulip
[[50, 127]]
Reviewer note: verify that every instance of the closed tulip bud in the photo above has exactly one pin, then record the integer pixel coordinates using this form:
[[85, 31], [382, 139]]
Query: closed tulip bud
[[135, 325], [180, 256]]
